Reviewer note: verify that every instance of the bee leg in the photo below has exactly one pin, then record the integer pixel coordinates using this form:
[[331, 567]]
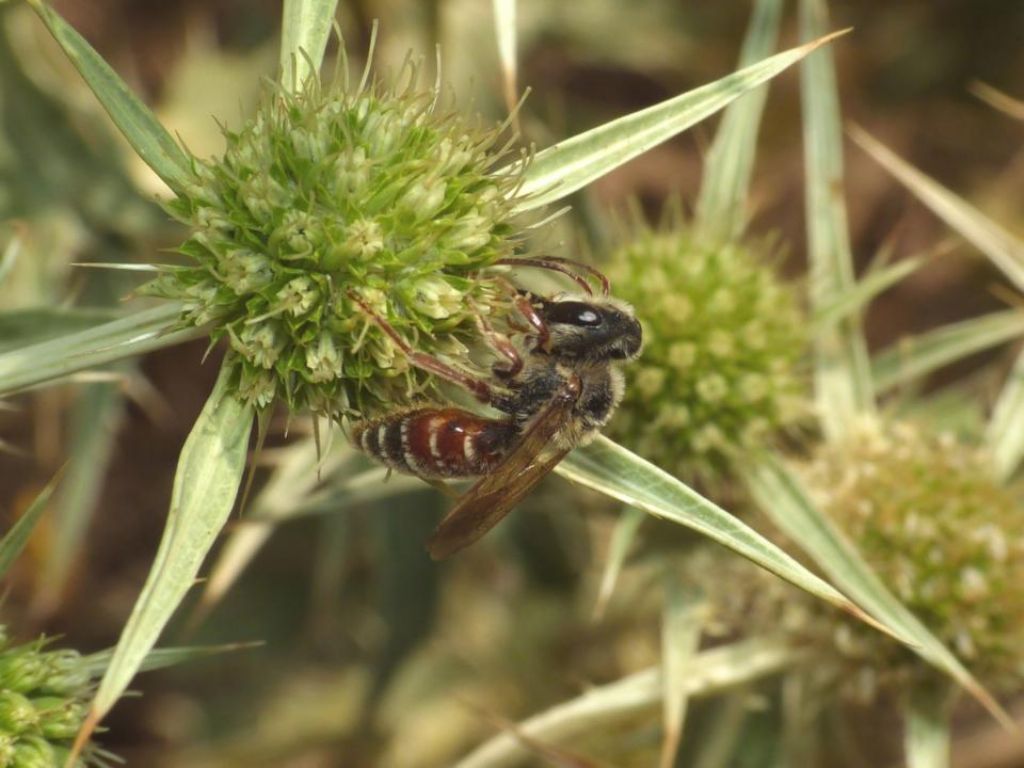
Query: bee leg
[[479, 388], [567, 267], [502, 346], [532, 316]]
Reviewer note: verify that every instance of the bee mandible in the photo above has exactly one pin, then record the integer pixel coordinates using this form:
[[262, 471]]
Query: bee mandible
[[555, 395]]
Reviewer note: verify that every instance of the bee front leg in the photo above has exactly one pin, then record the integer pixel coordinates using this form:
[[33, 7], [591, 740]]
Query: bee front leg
[[479, 388]]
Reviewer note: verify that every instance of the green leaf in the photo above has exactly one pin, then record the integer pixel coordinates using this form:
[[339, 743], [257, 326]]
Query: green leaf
[[151, 141], [1005, 432], [851, 301], [622, 538], [926, 726], [205, 486], [14, 541], [614, 471], [607, 705], [917, 356], [161, 658], [684, 617], [305, 27], [1004, 250], [721, 213], [560, 170], [131, 335], [781, 495], [32, 326], [842, 372]]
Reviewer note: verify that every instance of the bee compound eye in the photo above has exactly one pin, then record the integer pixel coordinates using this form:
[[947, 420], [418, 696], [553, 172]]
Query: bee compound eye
[[573, 313]]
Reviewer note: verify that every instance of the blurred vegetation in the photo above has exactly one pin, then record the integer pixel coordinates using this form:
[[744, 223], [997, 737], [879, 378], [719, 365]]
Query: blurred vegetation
[[372, 654]]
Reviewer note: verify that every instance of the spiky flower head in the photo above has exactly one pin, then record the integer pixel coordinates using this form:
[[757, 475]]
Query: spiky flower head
[[330, 195], [44, 696], [723, 340], [943, 534]]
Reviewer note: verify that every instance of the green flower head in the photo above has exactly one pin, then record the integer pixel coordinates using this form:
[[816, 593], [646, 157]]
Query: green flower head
[[944, 536], [44, 697], [329, 201], [724, 337]]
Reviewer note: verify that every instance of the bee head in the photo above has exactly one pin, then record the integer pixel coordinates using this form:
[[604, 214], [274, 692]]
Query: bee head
[[592, 329]]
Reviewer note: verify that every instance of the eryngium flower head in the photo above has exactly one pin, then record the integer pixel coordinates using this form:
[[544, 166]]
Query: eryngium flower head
[[943, 535], [328, 194], [44, 696], [723, 339]]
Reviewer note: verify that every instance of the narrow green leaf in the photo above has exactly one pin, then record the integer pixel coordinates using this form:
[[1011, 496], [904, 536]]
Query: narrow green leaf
[[305, 28], [505, 30], [851, 301], [1004, 250], [926, 727], [781, 495], [131, 335], [842, 372], [161, 658], [14, 541], [708, 673], [684, 617], [1005, 432], [560, 170], [32, 326], [614, 471], [205, 486], [151, 141], [721, 213], [622, 539], [910, 359]]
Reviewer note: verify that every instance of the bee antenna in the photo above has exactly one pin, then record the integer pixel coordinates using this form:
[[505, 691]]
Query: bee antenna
[[567, 267]]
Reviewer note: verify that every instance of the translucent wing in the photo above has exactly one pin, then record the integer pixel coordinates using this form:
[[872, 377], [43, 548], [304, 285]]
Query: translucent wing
[[495, 494]]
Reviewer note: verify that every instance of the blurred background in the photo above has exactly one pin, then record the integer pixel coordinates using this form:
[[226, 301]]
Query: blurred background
[[371, 654]]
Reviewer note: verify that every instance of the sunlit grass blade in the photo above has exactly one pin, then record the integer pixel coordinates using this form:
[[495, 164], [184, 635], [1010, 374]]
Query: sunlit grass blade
[[682, 622], [842, 372], [604, 706], [721, 213], [614, 471], [92, 433], [505, 30], [569, 165], [305, 28], [1004, 434], [851, 301], [151, 141], [781, 495], [1004, 250], [15, 539], [32, 326], [205, 486], [910, 359], [998, 100], [161, 658], [622, 539], [133, 334], [926, 727]]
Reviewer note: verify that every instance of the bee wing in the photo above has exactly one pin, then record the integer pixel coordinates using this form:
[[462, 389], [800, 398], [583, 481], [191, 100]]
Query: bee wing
[[495, 494]]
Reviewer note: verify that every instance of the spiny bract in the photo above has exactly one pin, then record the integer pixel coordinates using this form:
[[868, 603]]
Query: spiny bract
[[329, 193], [723, 338]]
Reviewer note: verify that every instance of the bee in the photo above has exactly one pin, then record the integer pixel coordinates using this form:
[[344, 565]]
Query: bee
[[554, 392]]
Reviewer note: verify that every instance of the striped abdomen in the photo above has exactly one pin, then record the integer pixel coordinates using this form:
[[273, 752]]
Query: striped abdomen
[[435, 442]]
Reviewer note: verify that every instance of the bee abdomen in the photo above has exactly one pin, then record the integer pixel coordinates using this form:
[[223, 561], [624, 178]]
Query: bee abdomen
[[435, 442]]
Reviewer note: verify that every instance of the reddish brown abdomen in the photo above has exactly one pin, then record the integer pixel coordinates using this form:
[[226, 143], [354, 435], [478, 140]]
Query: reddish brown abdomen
[[435, 442]]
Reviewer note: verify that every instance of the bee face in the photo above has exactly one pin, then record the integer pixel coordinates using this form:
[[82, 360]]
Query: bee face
[[595, 330]]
